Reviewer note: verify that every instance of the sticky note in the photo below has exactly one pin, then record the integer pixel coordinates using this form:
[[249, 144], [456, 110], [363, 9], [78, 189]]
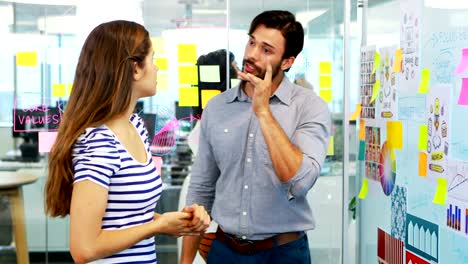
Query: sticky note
[[326, 95], [206, 95], [188, 96], [158, 45], [234, 82], [463, 98], [463, 65], [325, 81], [422, 168], [376, 62], [441, 191], [325, 67], [362, 129], [187, 53], [394, 134], [362, 150], [375, 91], [364, 189], [161, 63], [356, 113], [188, 75], [157, 163], [26, 58], [209, 73], [69, 88], [59, 90], [163, 82], [397, 60], [424, 83], [46, 141], [422, 145], [331, 147]]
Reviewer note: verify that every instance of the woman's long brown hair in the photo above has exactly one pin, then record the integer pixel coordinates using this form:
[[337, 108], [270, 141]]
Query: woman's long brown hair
[[101, 91]]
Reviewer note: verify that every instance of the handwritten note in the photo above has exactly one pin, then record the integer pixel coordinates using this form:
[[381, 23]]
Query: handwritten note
[[425, 80], [158, 45], [188, 96], [46, 141], [326, 94], [26, 58], [161, 63], [59, 90], [325, 67], [441, 191], [463, 65], [398, 60], [375, 91], [209, 73], [463, 99], [422, 168], [331, 147], [394, 134], [356, 113], [376, 62], [206, 95], [187, 53], [188, 75], [364, 189], [325, 81], [422, 144]]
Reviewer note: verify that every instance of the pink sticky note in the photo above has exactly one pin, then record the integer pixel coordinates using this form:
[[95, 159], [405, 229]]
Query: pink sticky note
[[157, 163], [46, 141], [463, 99], [463, 65]]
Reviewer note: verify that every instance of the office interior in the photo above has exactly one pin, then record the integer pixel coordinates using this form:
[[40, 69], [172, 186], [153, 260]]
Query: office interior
[[393, 188]]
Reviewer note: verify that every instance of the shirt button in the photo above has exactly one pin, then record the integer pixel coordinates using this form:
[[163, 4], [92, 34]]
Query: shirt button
[[244, 237], [251, 135], [246, 186], [226, 130], [249, 160], [244, 213]]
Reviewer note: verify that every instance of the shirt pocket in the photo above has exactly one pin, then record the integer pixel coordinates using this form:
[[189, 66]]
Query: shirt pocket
[[224, 144]]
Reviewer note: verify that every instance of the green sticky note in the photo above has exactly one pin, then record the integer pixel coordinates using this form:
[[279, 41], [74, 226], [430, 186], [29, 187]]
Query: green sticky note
[[362, 150], [188, 75], [394, 134], [425, 80], [441, 191], [209, 73], [422, 145], [375, 91], [325, 67], [376, 62], [187, 53], [59, 90], [188, 96], [364, 189]]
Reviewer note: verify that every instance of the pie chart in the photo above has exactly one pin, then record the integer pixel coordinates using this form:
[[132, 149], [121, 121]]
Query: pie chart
[[387, 171]]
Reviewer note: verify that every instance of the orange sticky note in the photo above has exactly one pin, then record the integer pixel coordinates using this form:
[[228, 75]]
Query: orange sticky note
[[362, 129], [441, 191], [163, 82], [325, 67], [59, 90], [356, 113], [364, 189], [188, 96], [26, 58], [325, 81], [187, 53], [394, 134], [422, 168], [397, 60], [46, 140], [161, 63], [206, 95], [188, 75], [326, 94]]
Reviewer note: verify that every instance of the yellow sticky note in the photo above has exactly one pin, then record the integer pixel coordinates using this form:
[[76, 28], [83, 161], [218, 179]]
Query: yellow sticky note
[[441, 191], [187, 53], [69, 88], [158, 45], [325, 67], [375, 91], [234, 82], [325, 81], [26, 58], [395, 134], [356, 113], [364, 189], [188, 96], [206, 95], [397, 60], [161, 63], [59, 90], [209, 73], [362, 129], [376, 62], [422, 145], [326, 95], [163, 82], [331, 147], [424, 83], [188, 75], [422, 166]]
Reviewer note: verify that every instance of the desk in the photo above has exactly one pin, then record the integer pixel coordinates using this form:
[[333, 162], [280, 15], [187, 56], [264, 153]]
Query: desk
[[11, 183]]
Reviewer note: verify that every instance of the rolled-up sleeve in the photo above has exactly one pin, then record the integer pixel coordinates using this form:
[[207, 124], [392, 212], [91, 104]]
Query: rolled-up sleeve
[[311, 137]]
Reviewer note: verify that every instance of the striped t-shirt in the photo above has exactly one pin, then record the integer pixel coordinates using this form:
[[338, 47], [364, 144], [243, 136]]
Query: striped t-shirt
[[134, 187]]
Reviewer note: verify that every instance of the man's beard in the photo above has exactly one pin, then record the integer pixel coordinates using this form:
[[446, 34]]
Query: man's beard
[[260, 73]]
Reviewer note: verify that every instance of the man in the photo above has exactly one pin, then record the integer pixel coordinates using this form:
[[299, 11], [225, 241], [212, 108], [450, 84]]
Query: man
[[261, 147]]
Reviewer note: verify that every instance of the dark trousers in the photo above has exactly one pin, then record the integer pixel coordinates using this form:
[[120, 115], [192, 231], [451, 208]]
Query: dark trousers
[[295, 252]]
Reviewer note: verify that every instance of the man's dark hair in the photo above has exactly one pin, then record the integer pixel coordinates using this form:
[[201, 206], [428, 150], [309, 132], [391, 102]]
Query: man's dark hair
[[285, 22]]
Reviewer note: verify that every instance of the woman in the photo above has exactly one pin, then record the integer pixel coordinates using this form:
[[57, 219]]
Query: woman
[[100, 168]]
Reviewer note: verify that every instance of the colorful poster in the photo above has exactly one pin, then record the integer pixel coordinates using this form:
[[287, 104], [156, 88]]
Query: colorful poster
[[389, 249], [410, 12], [372, 153], [422, 237], [457, 180], [438, 127], [367, 82], [457, 216], [399, 208], [387, 107], [414, 259]]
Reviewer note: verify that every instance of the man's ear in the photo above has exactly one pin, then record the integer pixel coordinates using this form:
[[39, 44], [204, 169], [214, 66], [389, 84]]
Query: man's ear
[[287, 63], [137, 72]]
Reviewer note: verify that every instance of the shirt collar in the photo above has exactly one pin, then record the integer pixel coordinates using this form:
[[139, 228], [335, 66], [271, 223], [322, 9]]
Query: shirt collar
[[283, 93]]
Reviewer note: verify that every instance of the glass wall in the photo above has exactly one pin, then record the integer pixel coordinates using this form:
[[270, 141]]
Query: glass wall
[[42, 41]]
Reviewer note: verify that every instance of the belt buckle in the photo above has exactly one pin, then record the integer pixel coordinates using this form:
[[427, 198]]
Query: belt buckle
[[244, 242]]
